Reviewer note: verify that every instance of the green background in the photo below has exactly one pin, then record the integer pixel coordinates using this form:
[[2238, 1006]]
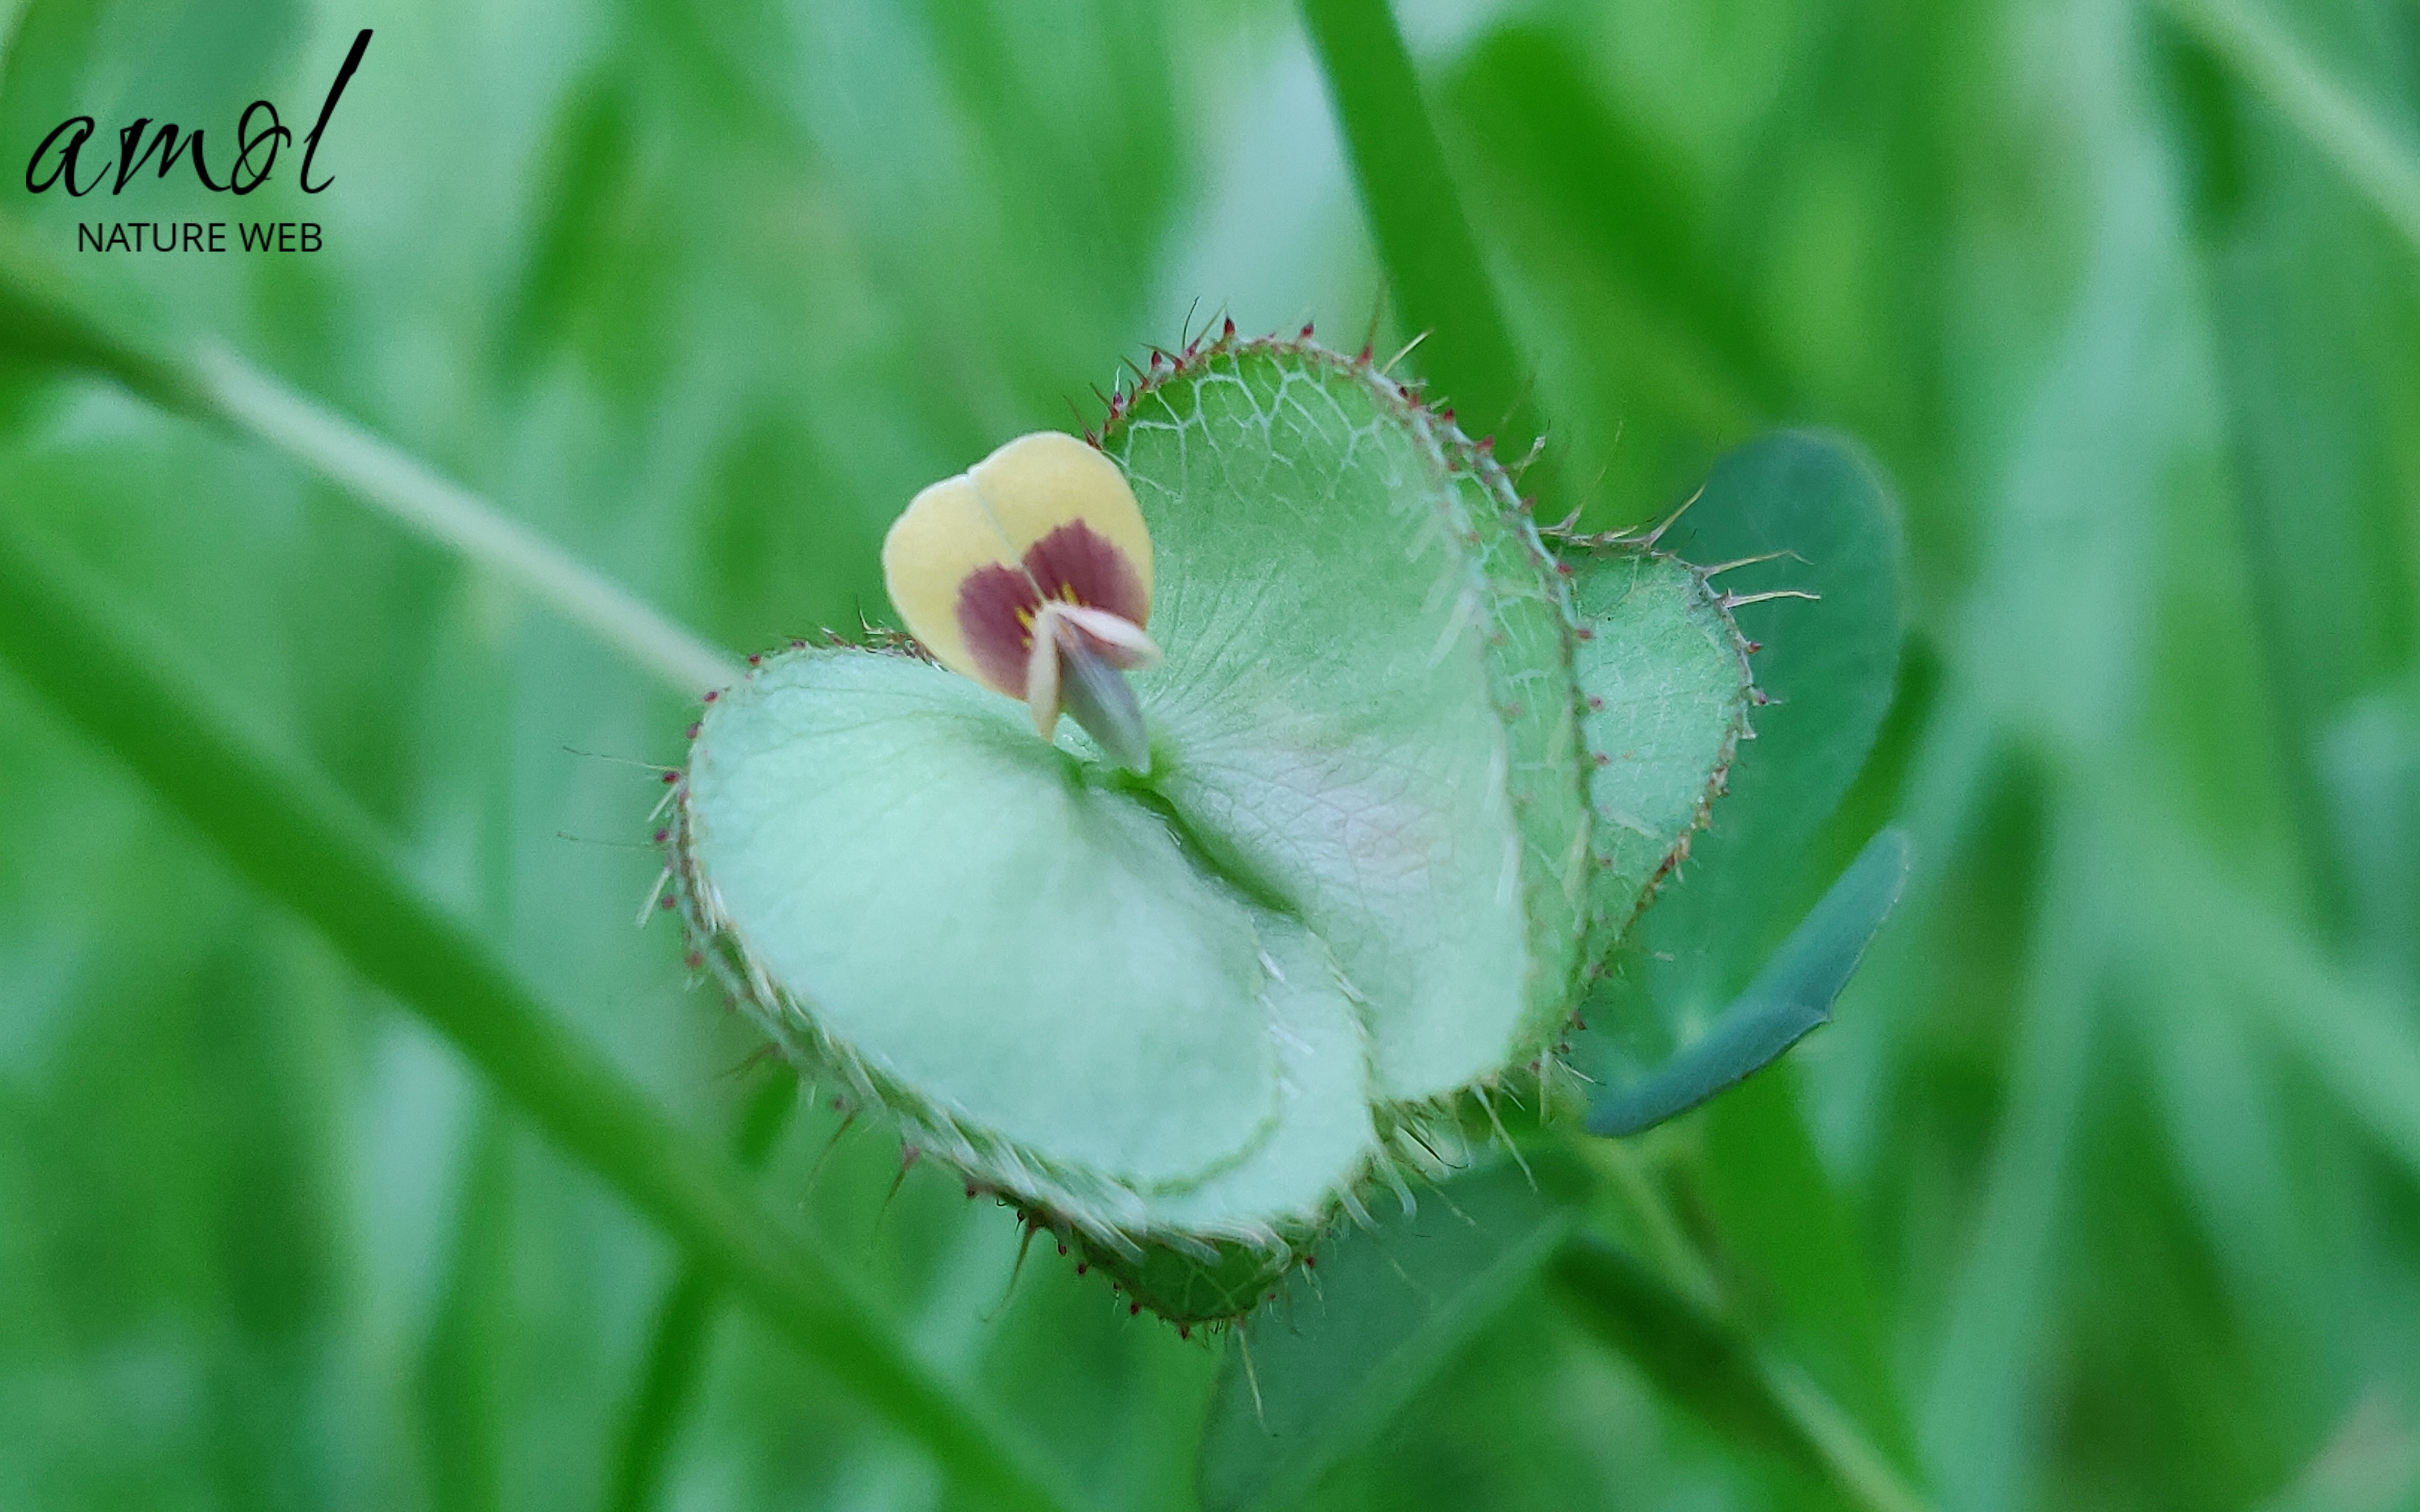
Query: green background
[[2107, 1189]]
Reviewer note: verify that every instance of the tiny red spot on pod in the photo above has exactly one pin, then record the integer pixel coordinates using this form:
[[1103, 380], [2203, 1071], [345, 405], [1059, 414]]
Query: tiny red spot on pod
[[693, 728], [756, 658], [1184, 1330], [1564, 568], [1309, 1262], [1583, 633], [1596, 702], [1134, 1309], [661, 835], [1081, 1268], [670, 777], [1602, 759], [667, 903]]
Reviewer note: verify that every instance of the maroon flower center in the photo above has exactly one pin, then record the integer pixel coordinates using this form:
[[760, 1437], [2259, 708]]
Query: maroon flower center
[[1074, 563]]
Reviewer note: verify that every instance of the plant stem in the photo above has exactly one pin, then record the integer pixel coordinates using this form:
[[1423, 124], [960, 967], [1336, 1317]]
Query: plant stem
[[454, 517], [1708, 1363], [293, 837], [43, 318], [1434, 271]]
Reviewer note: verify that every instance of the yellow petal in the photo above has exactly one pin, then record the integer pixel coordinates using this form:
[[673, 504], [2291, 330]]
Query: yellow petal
[[989, 515]]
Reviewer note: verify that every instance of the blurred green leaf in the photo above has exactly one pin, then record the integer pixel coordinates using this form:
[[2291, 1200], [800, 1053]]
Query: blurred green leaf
[[1707, 1367], [1813, 506], [1716, 1372], [1618, 196], [1790, 997], [2383, 167], [1316, 1375]]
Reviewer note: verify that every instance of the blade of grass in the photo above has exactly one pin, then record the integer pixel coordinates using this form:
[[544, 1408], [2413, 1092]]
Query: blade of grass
[[43, 318], [287, 833], [2385, 170], [685, 1327], [1434, 271], [458, 1369], [2355, 1038], [1977, 1428]]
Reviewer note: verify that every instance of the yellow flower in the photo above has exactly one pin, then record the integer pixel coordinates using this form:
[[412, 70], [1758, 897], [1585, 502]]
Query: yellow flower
[[1031, 573]]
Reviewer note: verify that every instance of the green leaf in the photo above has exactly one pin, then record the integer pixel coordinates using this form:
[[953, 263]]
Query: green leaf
[[295, 841], [1790, 997], [1664, 688], [1315, 1377], [1800, 514]]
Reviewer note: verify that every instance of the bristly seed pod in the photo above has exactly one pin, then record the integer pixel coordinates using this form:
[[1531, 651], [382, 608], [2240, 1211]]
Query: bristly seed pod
[[1184, 1014]]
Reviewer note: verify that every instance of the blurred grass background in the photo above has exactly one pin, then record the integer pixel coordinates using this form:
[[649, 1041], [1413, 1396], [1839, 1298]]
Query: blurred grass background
[[2121, 1129]]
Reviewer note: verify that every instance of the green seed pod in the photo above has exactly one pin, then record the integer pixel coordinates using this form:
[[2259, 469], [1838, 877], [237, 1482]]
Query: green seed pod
[[1181, 976]]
